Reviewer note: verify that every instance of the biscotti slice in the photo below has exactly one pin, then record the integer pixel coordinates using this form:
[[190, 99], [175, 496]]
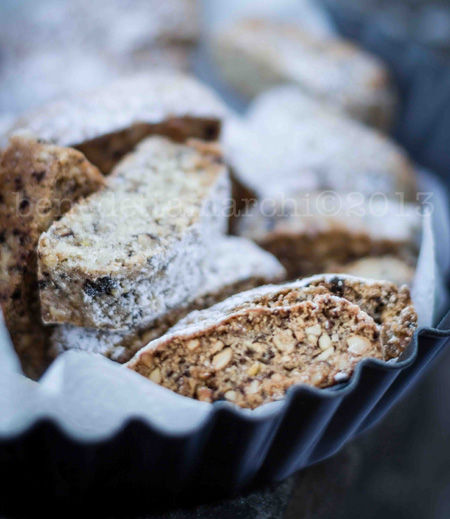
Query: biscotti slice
[[255, 55], [390, 306], [108, 123], [254, 356], [234, 265], [38, 183], [289, 142], [126, 255], [387, 267], [311, 230]]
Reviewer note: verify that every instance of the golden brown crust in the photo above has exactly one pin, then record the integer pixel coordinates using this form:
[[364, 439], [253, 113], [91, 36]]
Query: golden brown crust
[[38, 183]]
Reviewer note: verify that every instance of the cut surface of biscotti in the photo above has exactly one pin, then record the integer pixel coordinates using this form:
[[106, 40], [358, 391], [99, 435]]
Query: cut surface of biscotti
[[108, 123], [234, 265], [127, 254], [390, 306], [255, 55], [388, 267], [289, 142], [253, 356], [38, 183], [308, 231]]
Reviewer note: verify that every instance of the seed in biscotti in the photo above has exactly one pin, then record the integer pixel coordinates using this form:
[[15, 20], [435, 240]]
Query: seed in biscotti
[[325, 354], [358, 344], [324, 341], [193, 344], [155, 376], [204, 394], [222, 359], [284, 340], [231, 395], [253, 370]]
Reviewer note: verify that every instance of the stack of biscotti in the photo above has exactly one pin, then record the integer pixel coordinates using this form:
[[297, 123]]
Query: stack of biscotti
[[38, 183], [42, 180], [252, 347], [328, 189], [234, 265], [254, 55]]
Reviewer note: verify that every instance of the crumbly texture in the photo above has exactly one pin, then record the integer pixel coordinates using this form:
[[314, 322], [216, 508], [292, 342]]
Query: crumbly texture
[[254, 356], [389, 268], [234, 265], [309, 231], [124, 256], [289, 142], [390, 306], [107, 123], [38, 183], [254, 55]]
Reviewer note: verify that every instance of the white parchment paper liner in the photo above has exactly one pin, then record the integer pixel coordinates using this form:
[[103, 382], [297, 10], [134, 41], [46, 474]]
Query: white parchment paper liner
[[91, 397]]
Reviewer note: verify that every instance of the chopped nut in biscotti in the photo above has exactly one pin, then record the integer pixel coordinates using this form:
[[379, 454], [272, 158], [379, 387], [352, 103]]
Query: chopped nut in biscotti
[[38, 183], [250, 376], [388, 304]]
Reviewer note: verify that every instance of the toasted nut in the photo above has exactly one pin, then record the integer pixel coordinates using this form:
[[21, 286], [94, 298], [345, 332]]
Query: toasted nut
[[358, 344], [324, 341], [284, 340], [325, 354], [147, 360], [217, 346], [252, 388], [314, 330], [231, 395], [204, 394], [312, 339], [254, 369], [276, 377], [222, 359], [155, 376], [192, 344]]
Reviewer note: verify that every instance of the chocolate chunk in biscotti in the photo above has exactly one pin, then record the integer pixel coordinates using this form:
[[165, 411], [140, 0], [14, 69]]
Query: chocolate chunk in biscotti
[[234, 265], [108, 123], [38, 183], [254, 355], [308, 231], [254, 55], [124, 256]]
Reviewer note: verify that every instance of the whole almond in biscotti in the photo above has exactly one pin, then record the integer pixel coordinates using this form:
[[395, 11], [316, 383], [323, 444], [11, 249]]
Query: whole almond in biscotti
[[253, 356], [107, 123], [126, 255], [38, 183], [254, 55], [388, 268], [234, 265]]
